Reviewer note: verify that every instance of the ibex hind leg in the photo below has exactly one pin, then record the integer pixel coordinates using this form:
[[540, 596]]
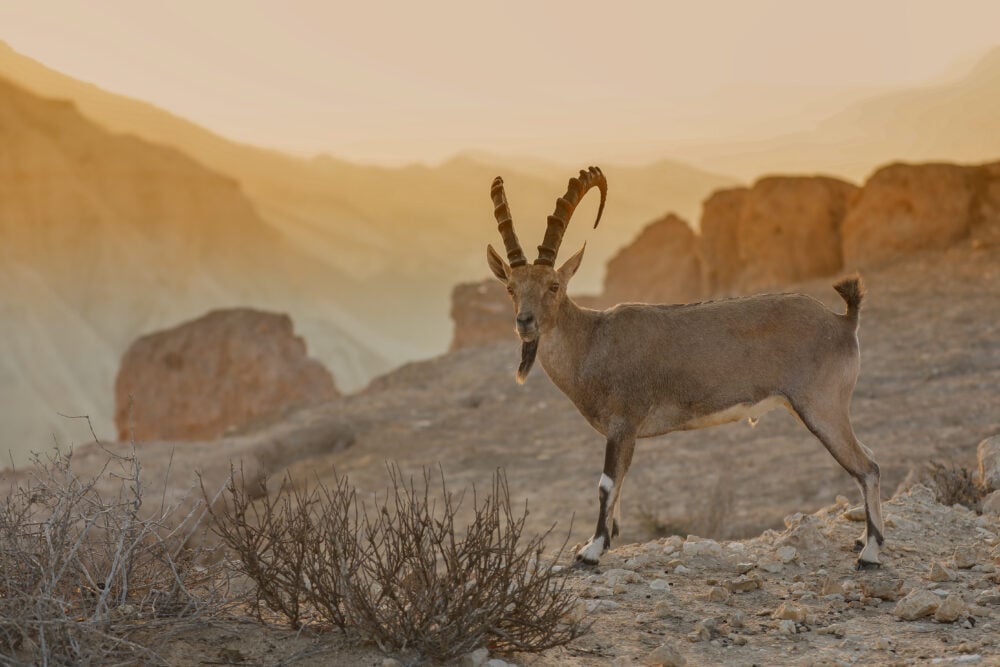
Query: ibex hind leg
[[832, 426]]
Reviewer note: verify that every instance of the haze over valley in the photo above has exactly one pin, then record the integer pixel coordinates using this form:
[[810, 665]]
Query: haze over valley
[[121, 218]]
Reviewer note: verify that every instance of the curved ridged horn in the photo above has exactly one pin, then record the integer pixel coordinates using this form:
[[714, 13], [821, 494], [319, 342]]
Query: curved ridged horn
[[565, 206], [506, 225]]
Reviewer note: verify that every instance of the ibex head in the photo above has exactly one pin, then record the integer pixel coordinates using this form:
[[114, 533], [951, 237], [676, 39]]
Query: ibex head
[[538, 289]]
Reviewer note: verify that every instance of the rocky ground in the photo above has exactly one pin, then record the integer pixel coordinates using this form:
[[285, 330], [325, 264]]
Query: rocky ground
[[931, 368], [928, 391], [789, 597], [930, 342]]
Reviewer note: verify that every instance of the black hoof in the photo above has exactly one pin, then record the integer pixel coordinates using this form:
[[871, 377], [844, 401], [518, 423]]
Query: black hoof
[[867, 565], [858, 546], [614, 529]]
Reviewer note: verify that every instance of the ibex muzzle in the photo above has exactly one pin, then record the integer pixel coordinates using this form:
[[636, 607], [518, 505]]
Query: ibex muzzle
[[639, 370]]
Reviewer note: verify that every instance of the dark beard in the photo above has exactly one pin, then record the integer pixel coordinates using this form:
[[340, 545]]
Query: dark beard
[[528, 350]]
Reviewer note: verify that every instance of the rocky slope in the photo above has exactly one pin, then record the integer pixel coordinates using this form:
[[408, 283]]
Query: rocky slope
[[107, 237]]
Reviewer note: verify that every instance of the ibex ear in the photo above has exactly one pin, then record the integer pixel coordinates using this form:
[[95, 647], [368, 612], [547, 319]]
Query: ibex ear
[[567, 270], [497, 265]]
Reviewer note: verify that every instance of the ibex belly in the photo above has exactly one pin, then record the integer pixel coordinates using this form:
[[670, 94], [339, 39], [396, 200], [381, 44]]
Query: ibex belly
[[666, 419]]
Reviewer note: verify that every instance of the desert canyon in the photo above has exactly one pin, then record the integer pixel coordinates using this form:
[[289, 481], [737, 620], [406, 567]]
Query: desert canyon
[[208, 302]]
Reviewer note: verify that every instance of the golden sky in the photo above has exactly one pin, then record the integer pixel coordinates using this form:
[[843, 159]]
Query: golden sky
[[403, 81]]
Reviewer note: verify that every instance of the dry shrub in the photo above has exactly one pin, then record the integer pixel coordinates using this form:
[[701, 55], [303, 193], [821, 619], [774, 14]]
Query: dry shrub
[[400, 573], [82, 576], [952, 484]]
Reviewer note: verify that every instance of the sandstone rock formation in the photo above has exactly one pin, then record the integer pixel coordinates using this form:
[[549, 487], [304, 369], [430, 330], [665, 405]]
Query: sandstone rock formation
[[783, 229], [482, 314], [718, 240], [224, 369], [789, 230], [661, 266], [906, 208]]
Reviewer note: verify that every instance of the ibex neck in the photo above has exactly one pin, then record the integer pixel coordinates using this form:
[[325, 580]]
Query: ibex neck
[[561, 349]]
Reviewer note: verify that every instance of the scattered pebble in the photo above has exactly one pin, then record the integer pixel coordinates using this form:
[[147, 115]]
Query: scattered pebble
[[497, 662], [744, 583], [664, 655], [601, 605], [917, 604], [965, 557], [475, 658], [790, 611], [938, 572], [855, 513], [788, 554], [990, 597], [883, 588], [771, 566], [838, 630], [950, 609], [700, 547], [786, 627], [717, 594]]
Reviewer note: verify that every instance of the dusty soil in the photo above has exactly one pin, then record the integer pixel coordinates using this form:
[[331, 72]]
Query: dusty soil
[[930, 341], [928, 391], [786, 597]]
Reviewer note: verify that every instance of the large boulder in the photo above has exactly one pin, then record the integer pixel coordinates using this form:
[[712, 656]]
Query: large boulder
[[661, 266], [482, 313], [222, 370], [905, 208]]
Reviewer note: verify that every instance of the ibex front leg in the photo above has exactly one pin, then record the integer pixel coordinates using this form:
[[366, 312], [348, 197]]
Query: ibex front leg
[[617, 459]]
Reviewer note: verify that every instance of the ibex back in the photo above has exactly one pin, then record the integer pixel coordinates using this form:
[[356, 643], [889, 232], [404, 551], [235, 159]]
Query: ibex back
[[639, 370]]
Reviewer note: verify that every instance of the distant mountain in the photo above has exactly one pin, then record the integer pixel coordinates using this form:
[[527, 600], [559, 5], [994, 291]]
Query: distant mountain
[[105, 237], [407, 234], [956, 121]]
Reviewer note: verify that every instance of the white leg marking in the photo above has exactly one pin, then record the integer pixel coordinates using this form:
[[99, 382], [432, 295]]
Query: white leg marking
[[870, 553], [606, 483], [591, 551]]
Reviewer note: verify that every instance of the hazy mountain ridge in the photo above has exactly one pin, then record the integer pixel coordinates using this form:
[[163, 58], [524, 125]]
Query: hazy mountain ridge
[[106, 237], [408, 234], [952, 121]]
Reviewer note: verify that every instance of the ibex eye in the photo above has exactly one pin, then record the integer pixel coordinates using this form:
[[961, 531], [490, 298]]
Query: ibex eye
[[554, 287]]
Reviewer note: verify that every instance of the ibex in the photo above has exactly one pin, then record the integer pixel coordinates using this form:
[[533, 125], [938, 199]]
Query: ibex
[[641, 370]]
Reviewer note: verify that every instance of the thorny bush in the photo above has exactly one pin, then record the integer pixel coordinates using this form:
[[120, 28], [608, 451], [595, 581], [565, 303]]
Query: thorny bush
[[86, 579], [399, 572]]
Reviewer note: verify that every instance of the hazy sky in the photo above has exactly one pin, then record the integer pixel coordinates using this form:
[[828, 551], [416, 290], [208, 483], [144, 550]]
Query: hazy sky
[[396, 81]]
